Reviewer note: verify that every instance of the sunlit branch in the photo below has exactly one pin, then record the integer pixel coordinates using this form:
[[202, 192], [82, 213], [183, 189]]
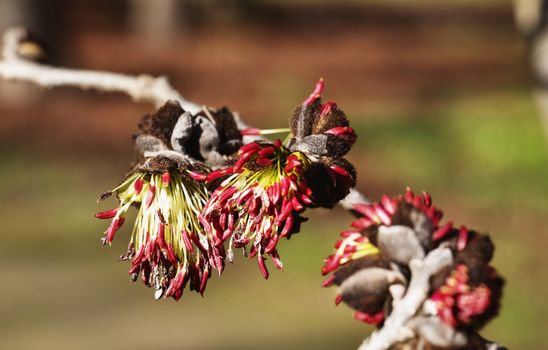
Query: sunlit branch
[[141, 88]]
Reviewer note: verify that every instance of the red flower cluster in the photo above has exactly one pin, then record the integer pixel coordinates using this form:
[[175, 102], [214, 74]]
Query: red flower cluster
[[261, 196], [168, 247], [259, 202], [390, 234], [389, 211], [459, 303], [191, 218]]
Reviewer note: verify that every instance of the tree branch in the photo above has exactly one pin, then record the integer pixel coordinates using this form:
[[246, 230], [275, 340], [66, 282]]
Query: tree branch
[[141, 88]]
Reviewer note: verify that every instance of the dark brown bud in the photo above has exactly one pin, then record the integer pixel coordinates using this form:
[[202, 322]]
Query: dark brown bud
[[328, 186]]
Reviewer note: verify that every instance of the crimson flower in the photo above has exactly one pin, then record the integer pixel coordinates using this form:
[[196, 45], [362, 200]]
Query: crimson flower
[[260, 198], [459, 303], [259, 202], [168, 246], [386, 236]]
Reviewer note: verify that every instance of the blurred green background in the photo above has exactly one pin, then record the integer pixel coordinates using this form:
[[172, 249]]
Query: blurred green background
[[440, 96]]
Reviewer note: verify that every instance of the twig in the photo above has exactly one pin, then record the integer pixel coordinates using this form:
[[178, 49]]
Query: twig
[[141, 88], [395, 327]]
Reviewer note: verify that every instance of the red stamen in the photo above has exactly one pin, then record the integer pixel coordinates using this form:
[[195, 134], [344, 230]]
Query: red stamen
[[286, 211], [287, 226], [327, 107], [382, 214], [331, 264], [161, 230], [417, 201], [284, 182], [306, 199], [297, 205], [344, 132], [214, 175], [203, 283], [462, 239], [138, 257], [226, 194], [442, 231], [262, 266], [250, 131], [186, 241], [267, 151], [204, 222], [150, 196], [151, 247], [171, 289], [346, 234], [163, 245], [328, 282], [114, 226], [165, 178], [318, 89], [427, 198], [198, 244], [374, 319], [108, 214], [277, 261], [138, 185], [197, 176], [240, 243], [362, 239], [222, 220], [292, 162], [272, 244], [171, 255], [275, 196], [253, 146], [367, 211], [263, 161], [409, 195], [244, 196], [362, 223], [230, 222], [339, 170], [389, 204]]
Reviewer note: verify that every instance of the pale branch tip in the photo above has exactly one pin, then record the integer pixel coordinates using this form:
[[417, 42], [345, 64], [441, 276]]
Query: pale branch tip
[[406, 318], [141, 88], [395, 328], [352, 198]]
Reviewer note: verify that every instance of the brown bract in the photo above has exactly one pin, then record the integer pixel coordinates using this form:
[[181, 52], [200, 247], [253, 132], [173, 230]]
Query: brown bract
[[322, 132], [210, 136]]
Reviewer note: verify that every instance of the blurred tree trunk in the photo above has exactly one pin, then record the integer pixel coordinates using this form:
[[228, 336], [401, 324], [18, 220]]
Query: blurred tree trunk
[[155, 21], [17, 13], [532, 21], [14, 12]]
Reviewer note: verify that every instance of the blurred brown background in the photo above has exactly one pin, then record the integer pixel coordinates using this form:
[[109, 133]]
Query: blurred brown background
[[439, 92]]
